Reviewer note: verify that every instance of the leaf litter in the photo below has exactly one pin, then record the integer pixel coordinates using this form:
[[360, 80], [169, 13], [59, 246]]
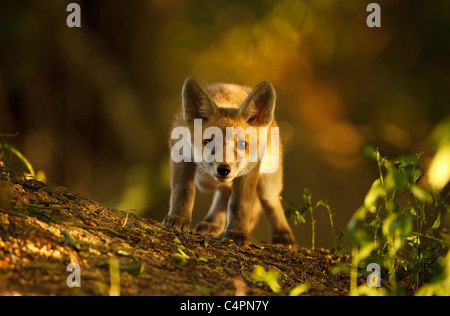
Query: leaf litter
[[43, 229]]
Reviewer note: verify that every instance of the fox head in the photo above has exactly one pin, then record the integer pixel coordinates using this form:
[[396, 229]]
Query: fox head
[[231, 118]]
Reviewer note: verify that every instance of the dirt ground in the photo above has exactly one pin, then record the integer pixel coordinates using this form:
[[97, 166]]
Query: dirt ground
[[44, 228]]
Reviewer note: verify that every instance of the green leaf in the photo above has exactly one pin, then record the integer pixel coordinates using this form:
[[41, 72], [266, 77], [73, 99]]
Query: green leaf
[[307, 198], [299, 219], [418, 267], [123, 253], [271, 278], [299, 290], [365, 251], [331, 211], [204, 259], [258, 272], [437, 223], [181, 257], [369, 220], [288, 203], [24, 160], [181, 247], [272, 281], [376, 191], [421, 194], [390, 206], [323, 203], [370, 152], [340, 268], [409, 211], [414, 174], [373, 221], [398, 225], [434, 193], [295, 215], [152, 232], [396, 179], [408, 160]]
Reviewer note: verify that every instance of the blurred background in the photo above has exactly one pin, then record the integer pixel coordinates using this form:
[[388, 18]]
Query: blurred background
[[93, 105]]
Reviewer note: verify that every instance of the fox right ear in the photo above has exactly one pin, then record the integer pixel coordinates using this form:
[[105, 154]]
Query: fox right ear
[[197, 103]]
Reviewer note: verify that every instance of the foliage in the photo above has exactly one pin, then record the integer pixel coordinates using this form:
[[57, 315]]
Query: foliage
[[7, 155], [272, 278], [297, 214], [397, 225], [440, 286]]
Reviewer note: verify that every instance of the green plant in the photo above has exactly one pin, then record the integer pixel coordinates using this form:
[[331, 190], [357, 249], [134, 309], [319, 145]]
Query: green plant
[[272, 278], [398, 224], [440, 286], [297, 214], [7, 154]]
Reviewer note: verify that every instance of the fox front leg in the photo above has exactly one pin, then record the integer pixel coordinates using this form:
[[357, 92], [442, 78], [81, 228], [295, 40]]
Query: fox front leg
[[215, 221], [269, 190], [182, 196], [240, 207]]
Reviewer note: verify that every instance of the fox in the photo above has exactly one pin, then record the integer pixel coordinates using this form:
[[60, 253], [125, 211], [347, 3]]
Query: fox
[[241, 192]]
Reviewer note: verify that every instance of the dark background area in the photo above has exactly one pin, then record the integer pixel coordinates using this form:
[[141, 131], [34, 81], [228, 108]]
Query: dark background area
[[93, 105]]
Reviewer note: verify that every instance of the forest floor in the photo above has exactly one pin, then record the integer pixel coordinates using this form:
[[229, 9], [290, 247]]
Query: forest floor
[[43, 229]]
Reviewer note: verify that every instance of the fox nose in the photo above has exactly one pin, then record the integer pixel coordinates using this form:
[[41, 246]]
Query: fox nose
[[223, 169]]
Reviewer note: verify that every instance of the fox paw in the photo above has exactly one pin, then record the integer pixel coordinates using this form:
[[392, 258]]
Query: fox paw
[[238, 237], [284, 238], [205, 228], [177, 222]]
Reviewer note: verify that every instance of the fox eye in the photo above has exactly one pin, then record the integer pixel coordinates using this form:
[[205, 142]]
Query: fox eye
[[242, 144], [207, 141]]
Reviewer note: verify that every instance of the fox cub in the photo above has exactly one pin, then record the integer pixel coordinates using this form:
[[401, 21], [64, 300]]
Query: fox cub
[[240, 189]]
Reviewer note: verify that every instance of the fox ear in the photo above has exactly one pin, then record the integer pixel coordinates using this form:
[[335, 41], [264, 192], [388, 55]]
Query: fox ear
[[197, 103], [259, 107]]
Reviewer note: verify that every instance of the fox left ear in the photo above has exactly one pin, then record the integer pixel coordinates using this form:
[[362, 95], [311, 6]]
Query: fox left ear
[[259, 107]]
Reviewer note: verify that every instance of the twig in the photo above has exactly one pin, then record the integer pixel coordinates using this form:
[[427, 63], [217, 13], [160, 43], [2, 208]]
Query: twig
[[99, 228], [126, 221], [16, 214], [322, 276], [50, 208], [51, 203], [59, 209], [83, 218]]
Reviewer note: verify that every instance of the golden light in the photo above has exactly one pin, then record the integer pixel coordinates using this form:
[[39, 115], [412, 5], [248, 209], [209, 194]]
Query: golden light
[[439, 172]]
